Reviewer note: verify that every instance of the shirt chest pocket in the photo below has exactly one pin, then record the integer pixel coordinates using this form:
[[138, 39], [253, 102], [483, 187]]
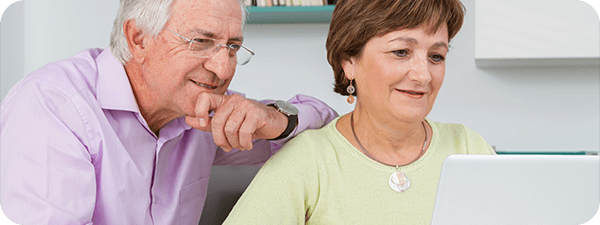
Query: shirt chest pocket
[[191, 201]]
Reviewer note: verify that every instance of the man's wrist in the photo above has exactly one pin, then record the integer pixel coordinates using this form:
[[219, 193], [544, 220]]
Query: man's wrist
[[289, 111]]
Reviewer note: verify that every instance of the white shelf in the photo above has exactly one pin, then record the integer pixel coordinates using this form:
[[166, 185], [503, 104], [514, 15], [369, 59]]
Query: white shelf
[[537, 62], [536, 33]]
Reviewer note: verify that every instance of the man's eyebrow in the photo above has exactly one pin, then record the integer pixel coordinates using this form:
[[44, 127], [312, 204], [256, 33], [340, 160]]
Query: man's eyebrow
[[210, 34], [203, 32], [237, 39]]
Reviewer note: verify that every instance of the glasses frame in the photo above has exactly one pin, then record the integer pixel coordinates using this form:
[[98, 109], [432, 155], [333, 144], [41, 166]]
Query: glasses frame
[[217, 47]]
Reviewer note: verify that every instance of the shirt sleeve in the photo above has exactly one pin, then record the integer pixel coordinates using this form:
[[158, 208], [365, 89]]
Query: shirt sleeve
[[47, 174], [313, 114]]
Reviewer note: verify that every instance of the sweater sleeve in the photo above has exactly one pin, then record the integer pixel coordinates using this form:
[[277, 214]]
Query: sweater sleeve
[[285, 190]]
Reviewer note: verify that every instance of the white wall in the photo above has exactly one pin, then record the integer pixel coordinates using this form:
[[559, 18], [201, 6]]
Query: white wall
[[55, 30], [58, 29], [11, 47], [513, 108]]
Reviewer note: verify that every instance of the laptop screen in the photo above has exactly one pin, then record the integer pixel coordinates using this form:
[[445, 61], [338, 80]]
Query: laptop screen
[[517, 189]]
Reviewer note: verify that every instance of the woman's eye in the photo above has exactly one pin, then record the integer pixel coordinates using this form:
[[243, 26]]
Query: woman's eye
[[401, 53], [437, 58]]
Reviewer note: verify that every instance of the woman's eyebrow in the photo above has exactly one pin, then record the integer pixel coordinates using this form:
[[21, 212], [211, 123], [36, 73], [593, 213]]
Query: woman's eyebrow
[[414, 41], [440, 44], [405, 39]]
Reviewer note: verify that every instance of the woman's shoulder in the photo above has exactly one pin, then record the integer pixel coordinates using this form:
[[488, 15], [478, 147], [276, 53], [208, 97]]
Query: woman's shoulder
[[318, 137], [453, 129], [461, 136], [310, 145]]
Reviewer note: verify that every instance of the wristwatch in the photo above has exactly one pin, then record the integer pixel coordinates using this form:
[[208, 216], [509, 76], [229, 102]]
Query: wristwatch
[[291, 112]]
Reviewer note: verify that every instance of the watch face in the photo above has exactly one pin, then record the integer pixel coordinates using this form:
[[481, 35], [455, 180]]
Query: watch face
[[287, 108]]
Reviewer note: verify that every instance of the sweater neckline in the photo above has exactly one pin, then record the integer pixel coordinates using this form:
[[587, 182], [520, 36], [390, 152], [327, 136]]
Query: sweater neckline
[[347, 146]]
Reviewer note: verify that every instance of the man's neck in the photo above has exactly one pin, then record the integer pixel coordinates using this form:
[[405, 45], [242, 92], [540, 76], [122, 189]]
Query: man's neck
[[156, 116]]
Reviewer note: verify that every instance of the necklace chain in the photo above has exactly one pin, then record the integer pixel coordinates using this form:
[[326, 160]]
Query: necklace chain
[[370, 156]]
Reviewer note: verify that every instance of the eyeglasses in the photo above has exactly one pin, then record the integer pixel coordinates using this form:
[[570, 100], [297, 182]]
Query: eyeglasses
[[207, 47]]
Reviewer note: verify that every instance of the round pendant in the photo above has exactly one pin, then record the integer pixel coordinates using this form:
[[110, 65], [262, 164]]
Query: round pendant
[[399, 182], [350, 99]]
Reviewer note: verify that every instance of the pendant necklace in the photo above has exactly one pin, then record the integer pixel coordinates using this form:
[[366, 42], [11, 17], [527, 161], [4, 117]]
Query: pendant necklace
[[398, 181]]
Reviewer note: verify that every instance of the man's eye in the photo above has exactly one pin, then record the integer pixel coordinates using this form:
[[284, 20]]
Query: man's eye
[[201, 44], [235, 47], [202, 40]]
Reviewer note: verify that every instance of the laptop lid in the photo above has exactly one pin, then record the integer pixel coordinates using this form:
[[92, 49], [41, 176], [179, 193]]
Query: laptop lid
[[517, 189]]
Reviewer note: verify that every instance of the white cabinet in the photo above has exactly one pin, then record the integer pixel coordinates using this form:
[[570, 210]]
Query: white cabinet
[[536, 33]]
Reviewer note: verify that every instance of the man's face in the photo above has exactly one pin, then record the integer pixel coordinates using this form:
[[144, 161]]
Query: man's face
[[175, 75]]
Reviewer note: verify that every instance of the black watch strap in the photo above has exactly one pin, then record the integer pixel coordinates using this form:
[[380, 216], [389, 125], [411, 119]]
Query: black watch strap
[[292, 122]]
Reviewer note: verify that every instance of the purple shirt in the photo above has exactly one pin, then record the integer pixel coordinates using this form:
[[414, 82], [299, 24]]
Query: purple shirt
[[76, 150]]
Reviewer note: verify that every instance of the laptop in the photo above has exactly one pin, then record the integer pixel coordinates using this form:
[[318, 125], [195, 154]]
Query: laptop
[[517, 189]]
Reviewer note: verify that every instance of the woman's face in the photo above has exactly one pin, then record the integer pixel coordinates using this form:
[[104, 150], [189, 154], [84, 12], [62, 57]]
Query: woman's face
[[399, 74]]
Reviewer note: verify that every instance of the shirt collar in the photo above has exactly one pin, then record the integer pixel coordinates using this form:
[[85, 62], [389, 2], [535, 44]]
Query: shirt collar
[[114, 91], [113, 87]]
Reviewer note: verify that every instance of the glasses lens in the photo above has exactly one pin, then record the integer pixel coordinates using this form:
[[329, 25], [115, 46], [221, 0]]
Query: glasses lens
[[202, 46], [205, 48], [243, 56]]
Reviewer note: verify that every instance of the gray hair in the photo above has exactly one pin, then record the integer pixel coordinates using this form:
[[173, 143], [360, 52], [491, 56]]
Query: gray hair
[[149, 15]]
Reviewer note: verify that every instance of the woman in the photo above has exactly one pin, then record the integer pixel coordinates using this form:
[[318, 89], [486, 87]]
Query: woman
[[379, 164]]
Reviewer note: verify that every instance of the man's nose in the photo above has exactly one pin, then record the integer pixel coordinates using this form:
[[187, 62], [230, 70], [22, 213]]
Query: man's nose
[[220, 63]]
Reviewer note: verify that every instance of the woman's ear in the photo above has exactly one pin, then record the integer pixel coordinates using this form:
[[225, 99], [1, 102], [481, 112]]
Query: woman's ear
[[348, 67], [135, 40]]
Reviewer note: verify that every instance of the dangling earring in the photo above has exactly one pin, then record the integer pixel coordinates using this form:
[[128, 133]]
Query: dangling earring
[[350, 89]]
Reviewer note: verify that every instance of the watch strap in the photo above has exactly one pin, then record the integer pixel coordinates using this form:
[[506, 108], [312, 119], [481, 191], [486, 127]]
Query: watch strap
[[292, 122]]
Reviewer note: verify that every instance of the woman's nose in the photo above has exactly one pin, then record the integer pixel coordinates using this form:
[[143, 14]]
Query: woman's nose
[[420, 69]]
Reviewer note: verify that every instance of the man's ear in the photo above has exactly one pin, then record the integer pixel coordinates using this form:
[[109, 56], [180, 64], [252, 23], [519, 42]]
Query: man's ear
[[135, 40]]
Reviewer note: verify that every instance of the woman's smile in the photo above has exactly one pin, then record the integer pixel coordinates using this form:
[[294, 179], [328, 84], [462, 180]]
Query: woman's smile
[[411, 93]]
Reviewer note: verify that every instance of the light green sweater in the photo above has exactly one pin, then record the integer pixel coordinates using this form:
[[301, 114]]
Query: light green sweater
[[321, 178]]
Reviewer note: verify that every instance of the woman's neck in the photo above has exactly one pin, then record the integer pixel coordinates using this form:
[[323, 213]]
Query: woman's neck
[[391, 142]]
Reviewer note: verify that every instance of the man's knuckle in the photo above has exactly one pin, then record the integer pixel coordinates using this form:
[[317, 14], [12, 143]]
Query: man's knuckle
[[230, 130], [245, 132], [220, 142]]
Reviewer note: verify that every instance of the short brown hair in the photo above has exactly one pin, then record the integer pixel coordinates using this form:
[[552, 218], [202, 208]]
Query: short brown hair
[[355, 22]]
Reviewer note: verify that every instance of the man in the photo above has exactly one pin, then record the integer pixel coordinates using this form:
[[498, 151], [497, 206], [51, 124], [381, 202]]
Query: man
[[107, 136]]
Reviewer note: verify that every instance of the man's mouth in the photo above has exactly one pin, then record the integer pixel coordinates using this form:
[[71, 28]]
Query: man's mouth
[[204, 85]]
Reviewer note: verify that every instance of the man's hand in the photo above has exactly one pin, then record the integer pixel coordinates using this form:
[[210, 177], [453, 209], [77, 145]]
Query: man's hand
[[236, 120]]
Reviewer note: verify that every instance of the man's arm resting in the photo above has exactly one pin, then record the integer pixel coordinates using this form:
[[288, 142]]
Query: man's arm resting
[[313, 114]]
